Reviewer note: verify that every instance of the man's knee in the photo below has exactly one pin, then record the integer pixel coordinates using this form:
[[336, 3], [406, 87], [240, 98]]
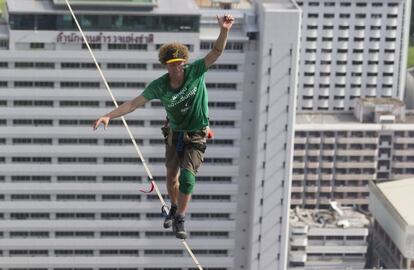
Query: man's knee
[[172, 178], [187, 181], [172, 175]]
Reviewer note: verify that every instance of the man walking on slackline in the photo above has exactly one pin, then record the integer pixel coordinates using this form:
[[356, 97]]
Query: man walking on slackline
[[183, 93]]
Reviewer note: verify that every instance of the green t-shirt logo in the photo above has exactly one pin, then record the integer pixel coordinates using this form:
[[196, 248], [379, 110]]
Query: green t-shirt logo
[[187, 107]]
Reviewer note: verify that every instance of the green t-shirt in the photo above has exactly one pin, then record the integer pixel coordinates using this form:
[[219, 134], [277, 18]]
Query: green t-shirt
[[186, 107]]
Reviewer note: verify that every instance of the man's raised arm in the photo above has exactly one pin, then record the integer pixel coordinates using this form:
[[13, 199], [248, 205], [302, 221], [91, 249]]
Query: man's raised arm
[[225, 22]]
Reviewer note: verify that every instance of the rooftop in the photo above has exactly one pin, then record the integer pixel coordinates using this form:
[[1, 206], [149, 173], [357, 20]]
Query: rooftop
[[399, 194], [342, 118], [126, 3], [272, 5], [326, 118], [234, 4], [368, 101], [328, 218], [124, 6], [106, 2]]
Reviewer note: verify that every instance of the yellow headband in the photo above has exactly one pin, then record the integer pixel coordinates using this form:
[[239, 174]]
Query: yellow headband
[[175, 60]]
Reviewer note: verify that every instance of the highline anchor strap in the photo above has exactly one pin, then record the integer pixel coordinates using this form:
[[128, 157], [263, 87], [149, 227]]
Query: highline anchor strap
[[127, 128]]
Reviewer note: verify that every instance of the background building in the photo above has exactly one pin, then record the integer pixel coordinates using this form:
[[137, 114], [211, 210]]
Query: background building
[[328, 239], [351, 49], [352, 60], [70, 196], [393, 232], [336, 155], [273, 107]]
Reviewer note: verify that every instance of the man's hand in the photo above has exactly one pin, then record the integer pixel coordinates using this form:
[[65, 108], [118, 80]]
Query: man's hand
[[102, 120], [225, 21]]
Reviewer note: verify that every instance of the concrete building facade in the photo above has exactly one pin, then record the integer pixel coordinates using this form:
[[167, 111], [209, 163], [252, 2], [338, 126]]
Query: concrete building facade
[[351, 49], [336, 155], [393, 232], [70, 197], [328, 239]]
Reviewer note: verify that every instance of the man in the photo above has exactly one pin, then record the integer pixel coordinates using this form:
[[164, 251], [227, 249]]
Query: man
[[183, 93]]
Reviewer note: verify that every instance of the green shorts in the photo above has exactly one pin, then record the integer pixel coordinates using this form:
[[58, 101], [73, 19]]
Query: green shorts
[[192, 155]]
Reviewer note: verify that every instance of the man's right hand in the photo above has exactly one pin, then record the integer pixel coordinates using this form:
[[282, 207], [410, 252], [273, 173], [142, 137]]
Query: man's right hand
[[102, 120]]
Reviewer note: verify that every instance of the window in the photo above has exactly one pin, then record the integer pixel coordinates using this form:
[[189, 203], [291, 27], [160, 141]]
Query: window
[[157, 122], [116, 65], [135, 85], [90, 84], [139, 47], [44, 84], [75, 216], [228, 67], [238, 46], [137, 66], [157, 66], [94, 46], [117, 46], [69, 65], [223, 105], [219, 161], [77, 160], [69, 84], [28, 178], [72, 178], [222, 123], [37, 45], [4, 44], [328, 16], [23, 84], [45, 65]]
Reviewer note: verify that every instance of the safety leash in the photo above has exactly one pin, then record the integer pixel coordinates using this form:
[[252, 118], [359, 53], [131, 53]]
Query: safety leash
[[150, 177]]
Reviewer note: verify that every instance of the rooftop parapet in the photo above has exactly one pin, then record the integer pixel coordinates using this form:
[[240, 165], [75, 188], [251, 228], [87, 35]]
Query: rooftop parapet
[[130, 4], [324, 218], [379, 110]]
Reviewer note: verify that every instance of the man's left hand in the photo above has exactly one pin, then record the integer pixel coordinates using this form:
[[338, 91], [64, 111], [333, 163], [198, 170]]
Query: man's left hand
[[225, 21]]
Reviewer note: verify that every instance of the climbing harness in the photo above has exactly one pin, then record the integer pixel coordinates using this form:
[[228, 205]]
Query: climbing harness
[[164, 207]]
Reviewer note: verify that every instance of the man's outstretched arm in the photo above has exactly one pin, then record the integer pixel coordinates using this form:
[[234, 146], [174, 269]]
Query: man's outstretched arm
[[225, 22], [125, 108]]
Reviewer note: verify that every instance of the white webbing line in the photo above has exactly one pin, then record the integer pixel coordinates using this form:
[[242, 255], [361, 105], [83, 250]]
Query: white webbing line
[[127, 127]]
